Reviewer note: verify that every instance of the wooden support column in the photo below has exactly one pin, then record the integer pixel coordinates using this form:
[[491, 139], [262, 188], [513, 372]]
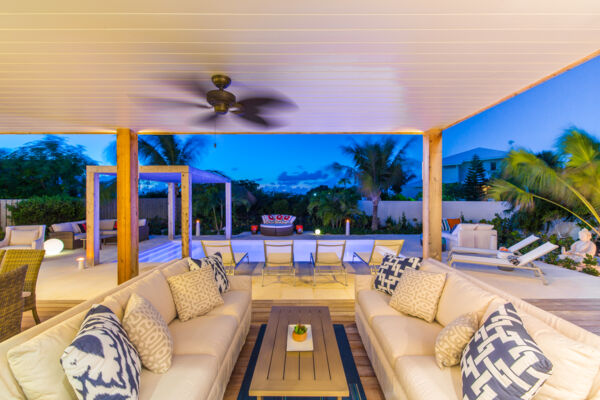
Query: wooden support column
[[186, 214], [171, 211], [432, 194], [228, 220], [127, 204], [92, 217]]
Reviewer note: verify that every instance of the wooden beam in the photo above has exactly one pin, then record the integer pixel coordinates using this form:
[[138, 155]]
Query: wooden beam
[[171, 207], [228, 219], [399, 132], [432, 194], [92, 217], [186, 214], [127, 205]]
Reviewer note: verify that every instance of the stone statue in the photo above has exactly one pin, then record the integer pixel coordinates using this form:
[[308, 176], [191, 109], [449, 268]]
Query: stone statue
[[580, 248]]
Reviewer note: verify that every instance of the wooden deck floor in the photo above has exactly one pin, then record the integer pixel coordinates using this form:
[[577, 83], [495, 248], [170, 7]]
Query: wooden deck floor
[[582, 312]]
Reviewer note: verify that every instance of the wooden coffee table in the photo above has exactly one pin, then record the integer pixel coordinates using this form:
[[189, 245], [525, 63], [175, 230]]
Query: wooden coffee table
[[308, 373]]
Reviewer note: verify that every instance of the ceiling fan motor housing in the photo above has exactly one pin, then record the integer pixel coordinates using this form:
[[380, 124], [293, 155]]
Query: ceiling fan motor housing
[[221, 100]]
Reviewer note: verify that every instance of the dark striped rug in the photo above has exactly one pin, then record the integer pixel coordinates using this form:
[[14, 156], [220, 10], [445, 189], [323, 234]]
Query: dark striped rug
[[354, 386]]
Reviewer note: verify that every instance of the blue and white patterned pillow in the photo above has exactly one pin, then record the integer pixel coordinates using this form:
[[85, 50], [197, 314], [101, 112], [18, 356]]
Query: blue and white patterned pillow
[[445, 225], [101, 362], [215, 262], [502, 361], [390, 271]]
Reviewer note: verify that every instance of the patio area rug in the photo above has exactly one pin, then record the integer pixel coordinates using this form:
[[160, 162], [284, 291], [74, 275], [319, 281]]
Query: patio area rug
[[354, 386]]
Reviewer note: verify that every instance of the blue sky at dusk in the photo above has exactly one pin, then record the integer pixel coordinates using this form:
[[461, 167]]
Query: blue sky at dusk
[[533, 120]]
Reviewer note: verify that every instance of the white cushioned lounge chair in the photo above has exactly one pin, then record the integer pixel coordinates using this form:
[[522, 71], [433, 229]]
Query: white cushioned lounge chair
[[491, 252], [24, 237], [524, 262]]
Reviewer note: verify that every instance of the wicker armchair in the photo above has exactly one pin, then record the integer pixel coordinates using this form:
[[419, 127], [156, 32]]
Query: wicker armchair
[[11, 302], [13, 259]]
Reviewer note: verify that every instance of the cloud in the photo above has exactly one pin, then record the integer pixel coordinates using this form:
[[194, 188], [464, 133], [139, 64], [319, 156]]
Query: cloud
[[291, 179]]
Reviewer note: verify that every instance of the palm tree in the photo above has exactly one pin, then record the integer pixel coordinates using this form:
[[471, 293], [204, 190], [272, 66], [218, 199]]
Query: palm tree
[[572, 185], [378, 167], [163, 150]]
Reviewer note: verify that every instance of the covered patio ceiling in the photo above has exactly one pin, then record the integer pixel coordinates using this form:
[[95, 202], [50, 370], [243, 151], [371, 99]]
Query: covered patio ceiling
[[350, 66]]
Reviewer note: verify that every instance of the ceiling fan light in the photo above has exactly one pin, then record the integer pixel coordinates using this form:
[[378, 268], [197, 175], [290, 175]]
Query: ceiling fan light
[[221, 108]]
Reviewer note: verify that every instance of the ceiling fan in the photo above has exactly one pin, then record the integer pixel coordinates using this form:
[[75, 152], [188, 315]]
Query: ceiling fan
[[221, 102]]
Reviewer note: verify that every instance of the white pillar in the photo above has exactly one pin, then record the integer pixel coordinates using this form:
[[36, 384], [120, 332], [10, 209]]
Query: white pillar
[[92, 218], [228, 210], [171, 210]]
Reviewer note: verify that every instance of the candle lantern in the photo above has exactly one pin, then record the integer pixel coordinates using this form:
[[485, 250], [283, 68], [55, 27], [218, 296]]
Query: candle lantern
[[197, 227], [80, 263], [254, 229], [348, 227], [299, 229]]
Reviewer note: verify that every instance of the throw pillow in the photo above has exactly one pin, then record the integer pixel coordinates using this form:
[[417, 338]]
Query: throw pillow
[[115, 226], [418, 293], [502, 361], [23, 238], [149, 333], [391, 270], [195, 293], [215, 262], [451, 341], [101, 362], [82, 227]]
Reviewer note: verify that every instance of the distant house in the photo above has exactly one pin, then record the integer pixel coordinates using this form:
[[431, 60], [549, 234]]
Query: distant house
[[456, 166]]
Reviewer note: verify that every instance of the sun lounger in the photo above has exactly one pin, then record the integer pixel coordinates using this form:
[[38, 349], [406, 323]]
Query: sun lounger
[[328, 259], [524, 262], [230, 259], [279, 259], [380, 248], [490, 252]]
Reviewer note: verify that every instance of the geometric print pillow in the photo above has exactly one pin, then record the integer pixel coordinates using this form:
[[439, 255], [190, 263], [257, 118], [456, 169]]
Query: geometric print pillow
[[101, 362], [195, 293], [390, 271], [149, 333], [216, 263], [502, 361]]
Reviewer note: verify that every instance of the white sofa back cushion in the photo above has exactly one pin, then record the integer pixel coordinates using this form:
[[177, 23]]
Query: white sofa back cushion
[[23, 237], [460, 297], [107, 224], [36, 363], [153, 288], [64, 227]]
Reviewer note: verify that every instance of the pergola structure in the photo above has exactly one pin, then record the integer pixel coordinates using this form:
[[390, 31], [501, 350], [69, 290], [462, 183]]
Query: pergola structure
[[385, 67], [170, 174]]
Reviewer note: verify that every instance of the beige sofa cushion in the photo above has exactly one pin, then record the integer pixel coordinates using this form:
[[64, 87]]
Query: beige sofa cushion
[[113, 304], [460, 297], [575, 363], [235, 304], [195, 293], [36, 363], [374, 303], [177, 268], [149, 334], [23, 238], [190, 377], [155, 289], [405, 335], [421, 379], [209, 334], [418, 293], [453, 339], [107, 224]]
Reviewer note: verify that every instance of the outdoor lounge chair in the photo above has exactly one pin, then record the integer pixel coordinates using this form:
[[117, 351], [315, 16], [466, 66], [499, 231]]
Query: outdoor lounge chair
[[24, 237], [13, 259], [279, 259], [379, 250], [328, 259], [231, 260], [490, 252], [11, 302], [524, 262]]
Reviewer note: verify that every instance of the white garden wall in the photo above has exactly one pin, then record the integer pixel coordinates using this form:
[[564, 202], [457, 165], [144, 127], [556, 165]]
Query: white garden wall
[[470, 210]]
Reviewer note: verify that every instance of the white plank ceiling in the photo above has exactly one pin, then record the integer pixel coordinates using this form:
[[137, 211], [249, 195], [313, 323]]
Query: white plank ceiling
[[376, 66]]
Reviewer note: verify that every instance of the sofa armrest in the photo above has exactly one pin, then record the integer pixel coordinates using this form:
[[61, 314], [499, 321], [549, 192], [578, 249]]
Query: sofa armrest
[[362, 282], [38, 244], [240, 282], [4, 242]]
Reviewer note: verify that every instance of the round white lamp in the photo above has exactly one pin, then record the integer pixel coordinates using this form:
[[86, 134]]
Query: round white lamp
[[53, 247], [317, 231]]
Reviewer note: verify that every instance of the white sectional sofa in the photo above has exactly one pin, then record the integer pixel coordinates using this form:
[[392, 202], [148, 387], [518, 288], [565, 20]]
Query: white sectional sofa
[[479, 236], [206, 348], [401, 347]]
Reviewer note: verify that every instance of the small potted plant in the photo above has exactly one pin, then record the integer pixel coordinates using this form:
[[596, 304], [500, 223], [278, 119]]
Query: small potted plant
[[299, 333]]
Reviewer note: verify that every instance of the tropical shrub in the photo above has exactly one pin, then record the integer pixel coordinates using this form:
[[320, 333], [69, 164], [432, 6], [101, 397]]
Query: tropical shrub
[[590, 271], [47, 210]]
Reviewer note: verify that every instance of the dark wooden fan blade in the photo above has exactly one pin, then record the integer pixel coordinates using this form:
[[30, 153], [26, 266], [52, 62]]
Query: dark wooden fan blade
[[205, 119], [272, 102], [167, 103], [189, 84], [258, 120]]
